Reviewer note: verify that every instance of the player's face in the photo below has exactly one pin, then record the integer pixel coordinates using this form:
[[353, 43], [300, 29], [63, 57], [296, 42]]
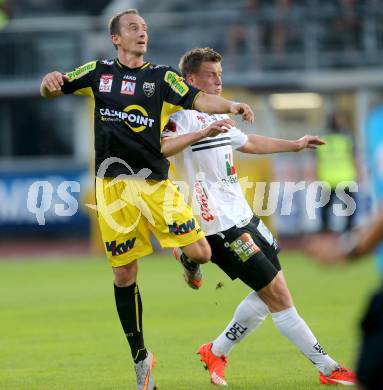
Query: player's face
[[133, 36], [208, 78]]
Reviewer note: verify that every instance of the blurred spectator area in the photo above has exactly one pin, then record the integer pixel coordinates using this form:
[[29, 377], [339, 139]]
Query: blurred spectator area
[[255, 35], [293, 61], [321, 45]]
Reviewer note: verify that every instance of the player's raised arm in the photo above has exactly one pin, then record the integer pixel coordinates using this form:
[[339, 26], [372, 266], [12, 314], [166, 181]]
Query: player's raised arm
[[51, 84], [173, 145], [214, 104], [259, 144]]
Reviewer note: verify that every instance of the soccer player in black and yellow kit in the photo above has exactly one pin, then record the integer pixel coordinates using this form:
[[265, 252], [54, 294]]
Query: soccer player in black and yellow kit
[[133, 100]]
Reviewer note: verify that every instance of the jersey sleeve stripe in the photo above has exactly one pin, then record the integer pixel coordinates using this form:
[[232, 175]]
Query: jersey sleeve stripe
[[209, 141], [211, 146]]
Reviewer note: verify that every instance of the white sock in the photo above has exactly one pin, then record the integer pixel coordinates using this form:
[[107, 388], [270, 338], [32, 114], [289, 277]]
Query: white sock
[[291, 325], [250, 313]]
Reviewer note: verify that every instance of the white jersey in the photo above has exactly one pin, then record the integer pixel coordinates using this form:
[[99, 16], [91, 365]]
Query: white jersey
[[207, 167]]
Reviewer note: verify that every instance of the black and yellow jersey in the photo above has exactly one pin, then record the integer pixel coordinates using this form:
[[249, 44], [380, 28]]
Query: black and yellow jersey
[[132, 106]]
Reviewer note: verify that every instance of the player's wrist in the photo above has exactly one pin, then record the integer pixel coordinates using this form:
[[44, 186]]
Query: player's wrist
[[233, 107], [297, 145], [201, 134]]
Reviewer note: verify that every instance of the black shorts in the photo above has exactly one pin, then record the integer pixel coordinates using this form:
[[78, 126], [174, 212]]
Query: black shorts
[[370, 361], [248, 252]]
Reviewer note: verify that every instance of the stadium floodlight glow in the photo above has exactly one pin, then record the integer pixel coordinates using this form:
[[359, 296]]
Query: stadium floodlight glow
[[295, 101]]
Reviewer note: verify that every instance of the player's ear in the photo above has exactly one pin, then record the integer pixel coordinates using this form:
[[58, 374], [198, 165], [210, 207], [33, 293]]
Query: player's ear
[[115, 39], [189, 78]]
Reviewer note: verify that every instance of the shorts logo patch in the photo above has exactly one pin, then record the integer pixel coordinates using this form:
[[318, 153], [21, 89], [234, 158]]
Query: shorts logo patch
[[106, 81], [244, 246], [120, 249], [128, 87], [183, 228]]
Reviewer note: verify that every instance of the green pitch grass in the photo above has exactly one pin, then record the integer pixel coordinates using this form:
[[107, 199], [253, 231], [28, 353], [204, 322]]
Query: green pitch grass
[[59, 328]]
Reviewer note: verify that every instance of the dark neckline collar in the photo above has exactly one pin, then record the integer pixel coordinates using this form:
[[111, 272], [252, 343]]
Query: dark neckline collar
[[122, 66]]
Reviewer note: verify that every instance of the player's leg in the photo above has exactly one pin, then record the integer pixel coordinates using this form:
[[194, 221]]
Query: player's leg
[[290, 324], [237, 254], [125, 241], [175, 227], [264, 275], [129, 308], [277, 297], [190, 257], [249, 314], [198, 252]]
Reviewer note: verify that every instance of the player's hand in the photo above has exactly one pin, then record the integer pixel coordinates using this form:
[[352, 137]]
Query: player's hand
[[309, 142], [325, 249], [244, 110], [53, 81], [217, 127]]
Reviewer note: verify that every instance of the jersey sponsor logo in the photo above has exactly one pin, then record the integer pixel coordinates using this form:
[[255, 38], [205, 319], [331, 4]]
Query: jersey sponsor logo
[[183, 228], [202, 200], [176, 83], [231, 171], [106, 81], [230, 168], [244, 246], [128, 87], [202, 119], [120, 249], [149, 89], [129, 77], [132, 116], [235, 332], [107, 62], [81, 70]]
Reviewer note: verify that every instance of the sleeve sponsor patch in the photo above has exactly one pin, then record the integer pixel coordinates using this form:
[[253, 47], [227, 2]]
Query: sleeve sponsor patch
[[81, 70], [176, 82], [244, 246]]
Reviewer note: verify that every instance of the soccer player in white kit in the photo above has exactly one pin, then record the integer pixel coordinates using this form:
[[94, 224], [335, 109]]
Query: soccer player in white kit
[[241, 244]]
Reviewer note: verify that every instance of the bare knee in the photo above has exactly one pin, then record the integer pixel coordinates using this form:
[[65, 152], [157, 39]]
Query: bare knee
[[276, 295], [125, 275], [198, 252]]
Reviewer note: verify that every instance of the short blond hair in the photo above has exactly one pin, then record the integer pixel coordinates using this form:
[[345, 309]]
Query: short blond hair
[[191, 61]]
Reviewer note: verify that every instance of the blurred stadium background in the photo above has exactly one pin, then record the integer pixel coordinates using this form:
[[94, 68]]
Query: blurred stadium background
[[296, 62]]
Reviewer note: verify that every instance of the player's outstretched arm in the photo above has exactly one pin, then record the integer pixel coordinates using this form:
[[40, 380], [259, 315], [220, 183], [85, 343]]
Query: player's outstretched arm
[[259, 144], [173, 145], [349, 246], [214, 104], [51, 84]]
